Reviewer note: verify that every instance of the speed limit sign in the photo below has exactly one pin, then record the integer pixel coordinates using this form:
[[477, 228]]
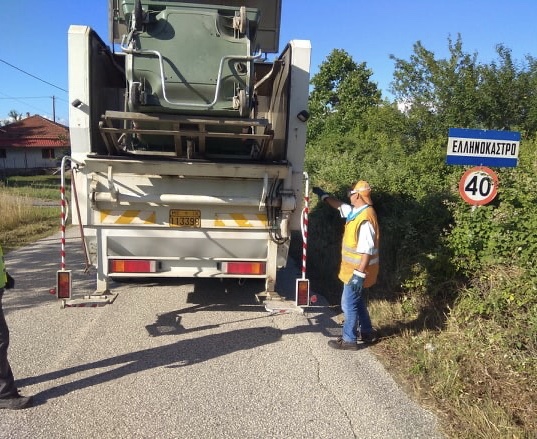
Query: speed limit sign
[[478, 185]]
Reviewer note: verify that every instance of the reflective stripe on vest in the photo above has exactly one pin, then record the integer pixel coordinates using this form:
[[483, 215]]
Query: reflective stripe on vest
[[356, 258], [350, 258]]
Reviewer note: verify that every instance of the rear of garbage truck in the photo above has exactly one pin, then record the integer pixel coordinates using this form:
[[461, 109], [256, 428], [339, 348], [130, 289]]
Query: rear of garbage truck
[[188, 140]]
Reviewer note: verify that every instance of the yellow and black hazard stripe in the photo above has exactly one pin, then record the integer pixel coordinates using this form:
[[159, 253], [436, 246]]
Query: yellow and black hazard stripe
[[127, 217], [240, 220]]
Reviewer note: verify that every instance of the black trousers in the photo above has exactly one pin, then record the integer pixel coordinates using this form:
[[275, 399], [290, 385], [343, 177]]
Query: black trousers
[[7, 382]]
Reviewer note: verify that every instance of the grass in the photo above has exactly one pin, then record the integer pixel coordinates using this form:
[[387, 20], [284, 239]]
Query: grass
[[44, 187], [472, 371], [21, 221]]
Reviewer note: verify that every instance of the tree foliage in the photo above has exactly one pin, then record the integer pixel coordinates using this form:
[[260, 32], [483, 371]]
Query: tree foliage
[[342, 92], [354, 134], [460, 92]]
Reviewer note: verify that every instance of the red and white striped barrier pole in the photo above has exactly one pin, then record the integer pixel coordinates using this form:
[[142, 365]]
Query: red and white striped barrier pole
[[305, 225], [63, 212], [303, 284], [63, 276]]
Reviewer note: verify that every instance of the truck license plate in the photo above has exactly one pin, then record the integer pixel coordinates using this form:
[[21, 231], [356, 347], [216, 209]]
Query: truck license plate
[[185, 218]]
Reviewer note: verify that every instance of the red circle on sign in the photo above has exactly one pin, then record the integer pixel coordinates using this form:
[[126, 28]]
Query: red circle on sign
[[478, 185]]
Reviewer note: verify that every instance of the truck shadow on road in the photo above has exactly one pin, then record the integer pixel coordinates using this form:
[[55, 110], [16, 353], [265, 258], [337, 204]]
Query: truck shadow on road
[[181, 354], [176, 355]]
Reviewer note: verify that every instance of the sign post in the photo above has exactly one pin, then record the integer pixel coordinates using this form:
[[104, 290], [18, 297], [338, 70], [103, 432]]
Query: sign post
[[478, 185]]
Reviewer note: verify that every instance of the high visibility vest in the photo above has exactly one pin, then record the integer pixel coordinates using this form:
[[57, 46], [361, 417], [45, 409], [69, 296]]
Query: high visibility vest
[[3, 275], [350, 258]]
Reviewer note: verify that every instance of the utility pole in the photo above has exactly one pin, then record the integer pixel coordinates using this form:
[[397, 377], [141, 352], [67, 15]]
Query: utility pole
[[53, 108]]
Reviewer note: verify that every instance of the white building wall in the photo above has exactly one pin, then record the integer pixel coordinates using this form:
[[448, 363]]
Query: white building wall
[[28, 159]]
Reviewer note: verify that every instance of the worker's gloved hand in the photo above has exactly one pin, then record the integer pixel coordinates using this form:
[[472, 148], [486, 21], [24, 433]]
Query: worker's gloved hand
[[319, 192], [357, 281]]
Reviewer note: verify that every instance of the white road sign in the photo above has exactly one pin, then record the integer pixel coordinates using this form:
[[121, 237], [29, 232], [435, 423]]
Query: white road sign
[[483, 147]]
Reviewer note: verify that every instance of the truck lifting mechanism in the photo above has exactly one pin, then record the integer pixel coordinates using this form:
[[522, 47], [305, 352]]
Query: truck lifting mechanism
[[186, 165]]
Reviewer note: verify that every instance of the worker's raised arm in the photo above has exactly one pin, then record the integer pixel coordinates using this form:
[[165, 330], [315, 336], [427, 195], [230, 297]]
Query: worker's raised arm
[[327, 198]]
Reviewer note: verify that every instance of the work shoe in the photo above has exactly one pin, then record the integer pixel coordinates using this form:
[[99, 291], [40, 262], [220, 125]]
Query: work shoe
[[368, 337], [15, 402], [341, 344]]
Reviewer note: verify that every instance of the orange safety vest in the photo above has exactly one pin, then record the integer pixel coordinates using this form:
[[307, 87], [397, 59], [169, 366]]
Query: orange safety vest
[[350, 258], [3, 275]]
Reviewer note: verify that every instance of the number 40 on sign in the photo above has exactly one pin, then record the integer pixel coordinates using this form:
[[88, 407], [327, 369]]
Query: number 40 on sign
[[478, 185]]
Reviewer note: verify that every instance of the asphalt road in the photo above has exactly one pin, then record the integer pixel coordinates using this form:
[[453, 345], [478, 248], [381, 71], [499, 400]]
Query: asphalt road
[[183, 359]]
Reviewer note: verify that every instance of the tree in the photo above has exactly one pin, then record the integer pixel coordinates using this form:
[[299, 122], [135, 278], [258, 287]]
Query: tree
[[529, 82], [15, 115], [441, 93], [508, 93], [342, 93], [459, 92]]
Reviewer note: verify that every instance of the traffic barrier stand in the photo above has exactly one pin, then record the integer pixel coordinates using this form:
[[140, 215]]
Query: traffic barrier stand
[[89, 301], [282, 307], [64, 282]]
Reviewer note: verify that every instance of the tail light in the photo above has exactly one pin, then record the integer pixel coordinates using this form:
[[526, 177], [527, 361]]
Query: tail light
[[252, 268], [132, 266]]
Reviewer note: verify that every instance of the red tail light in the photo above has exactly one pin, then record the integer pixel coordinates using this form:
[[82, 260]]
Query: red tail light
[[132, 266], [256, 268]]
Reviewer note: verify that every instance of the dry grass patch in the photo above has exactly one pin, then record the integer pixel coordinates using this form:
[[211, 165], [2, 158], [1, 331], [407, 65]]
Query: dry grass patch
[[22, 223], [477, 372]]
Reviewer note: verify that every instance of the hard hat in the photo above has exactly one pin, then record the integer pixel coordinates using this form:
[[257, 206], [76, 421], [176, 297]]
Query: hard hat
[[363, 188]]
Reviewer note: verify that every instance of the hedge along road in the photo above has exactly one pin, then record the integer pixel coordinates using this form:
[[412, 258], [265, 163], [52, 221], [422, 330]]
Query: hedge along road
[[184, 359]]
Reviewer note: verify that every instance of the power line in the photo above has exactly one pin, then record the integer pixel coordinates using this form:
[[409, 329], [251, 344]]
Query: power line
[[33, 76], [26, 103], [27, 97], [19, 99], [16, 98]]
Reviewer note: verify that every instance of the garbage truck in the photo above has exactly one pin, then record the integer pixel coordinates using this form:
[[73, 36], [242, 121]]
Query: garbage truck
[[187, 139]]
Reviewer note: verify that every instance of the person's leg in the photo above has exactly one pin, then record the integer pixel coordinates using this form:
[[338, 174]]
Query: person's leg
[[364, 320], [367, 335], [350, 300], [7, 382]]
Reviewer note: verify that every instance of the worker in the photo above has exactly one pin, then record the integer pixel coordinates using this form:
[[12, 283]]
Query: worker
[[359, 262], [9, 395]]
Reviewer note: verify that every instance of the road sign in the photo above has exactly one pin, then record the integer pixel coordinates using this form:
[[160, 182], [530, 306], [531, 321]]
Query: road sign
[[478, 185], [483, 147]]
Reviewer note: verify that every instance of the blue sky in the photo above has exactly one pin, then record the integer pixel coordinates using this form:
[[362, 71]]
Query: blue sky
[[34, 38]]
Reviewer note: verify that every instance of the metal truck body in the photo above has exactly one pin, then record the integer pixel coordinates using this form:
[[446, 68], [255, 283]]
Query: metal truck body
[[187, 153]]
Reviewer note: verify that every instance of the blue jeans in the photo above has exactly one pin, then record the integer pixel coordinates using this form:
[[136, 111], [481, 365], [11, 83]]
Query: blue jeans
[[355, 312]]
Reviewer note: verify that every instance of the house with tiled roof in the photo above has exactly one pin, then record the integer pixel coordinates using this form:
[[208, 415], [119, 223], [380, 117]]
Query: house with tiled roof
[[32, 144]]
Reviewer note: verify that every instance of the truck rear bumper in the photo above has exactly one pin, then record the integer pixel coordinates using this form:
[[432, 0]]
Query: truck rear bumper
[[180, 252]]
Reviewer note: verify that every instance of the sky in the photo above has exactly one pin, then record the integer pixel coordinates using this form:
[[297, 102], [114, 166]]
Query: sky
[[33, 50]]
